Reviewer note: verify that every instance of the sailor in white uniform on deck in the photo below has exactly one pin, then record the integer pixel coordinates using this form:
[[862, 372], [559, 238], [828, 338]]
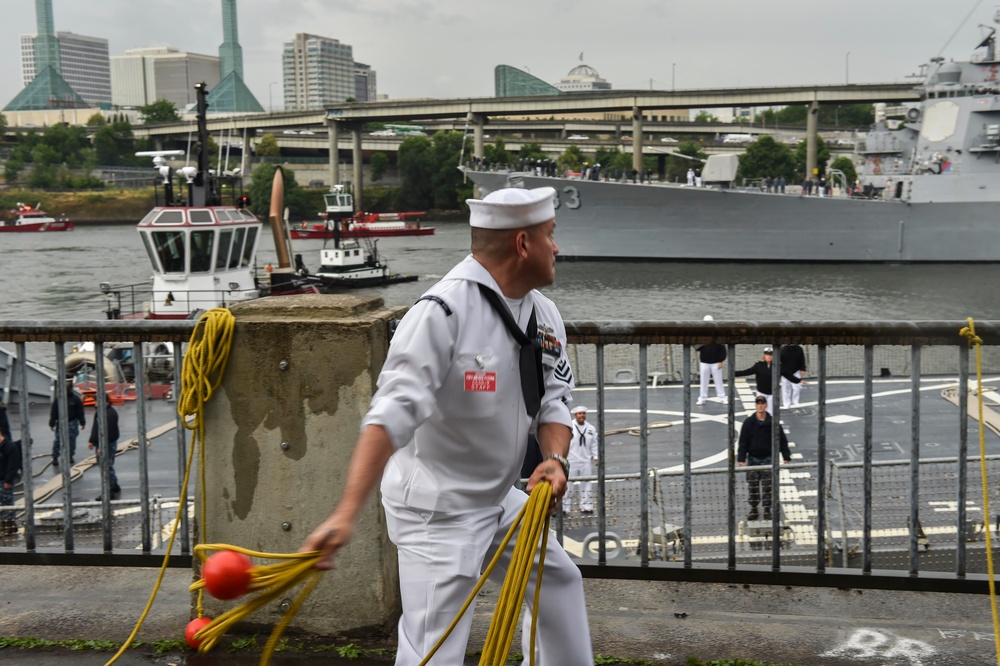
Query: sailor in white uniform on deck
[[476, 363], [582, 462]]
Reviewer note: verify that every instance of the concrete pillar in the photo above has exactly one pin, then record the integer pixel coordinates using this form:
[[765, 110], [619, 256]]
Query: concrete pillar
[[812, 122], [333, 135], [280, 431], [357, 158], [637, 139], [478, 124]]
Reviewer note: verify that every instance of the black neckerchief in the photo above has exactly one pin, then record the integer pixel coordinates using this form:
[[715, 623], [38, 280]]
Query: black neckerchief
[[530, 356]]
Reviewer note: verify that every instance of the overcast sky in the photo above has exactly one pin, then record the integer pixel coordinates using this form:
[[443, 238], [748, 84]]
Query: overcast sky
[[448, 48]]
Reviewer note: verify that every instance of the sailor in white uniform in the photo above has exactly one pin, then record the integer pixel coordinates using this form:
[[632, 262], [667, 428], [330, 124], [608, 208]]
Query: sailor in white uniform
[[476, 363], [582, 462]]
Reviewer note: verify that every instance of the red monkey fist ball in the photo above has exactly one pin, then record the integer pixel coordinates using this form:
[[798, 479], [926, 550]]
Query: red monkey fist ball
[[227, 574], [194, 626]]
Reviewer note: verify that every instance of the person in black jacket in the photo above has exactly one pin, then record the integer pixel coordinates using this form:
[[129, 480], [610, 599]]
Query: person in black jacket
[[4, 423], [10, 470], [754, 450], [793, 359], [77, 420], [113, 435], [762, 373], [711, 357]]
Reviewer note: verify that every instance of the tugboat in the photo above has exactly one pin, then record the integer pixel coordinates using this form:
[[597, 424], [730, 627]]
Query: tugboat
[[340, 213], [203, 251], [347, 265], [27, 218]]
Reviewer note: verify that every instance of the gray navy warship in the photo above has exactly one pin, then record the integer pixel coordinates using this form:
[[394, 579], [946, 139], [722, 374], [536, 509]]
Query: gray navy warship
[[931, 193]]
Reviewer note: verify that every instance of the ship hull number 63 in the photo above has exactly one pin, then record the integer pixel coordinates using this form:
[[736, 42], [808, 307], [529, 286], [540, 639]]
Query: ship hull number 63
[[570, 195]]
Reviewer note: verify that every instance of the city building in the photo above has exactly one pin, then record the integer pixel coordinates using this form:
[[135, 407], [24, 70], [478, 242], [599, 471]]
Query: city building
[[146, 75], [84, 65], [582, 78], [317, 71], [47, 89], [512, 82], [232, 94], [364, 83]]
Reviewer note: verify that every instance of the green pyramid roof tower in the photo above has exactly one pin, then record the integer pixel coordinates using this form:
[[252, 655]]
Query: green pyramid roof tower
[[232, 94], [48, 90]]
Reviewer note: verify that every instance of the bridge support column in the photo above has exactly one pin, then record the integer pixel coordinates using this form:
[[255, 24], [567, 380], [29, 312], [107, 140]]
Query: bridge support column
[[637, 140], [478, 127], [280, 431], [333, 135], [812, 123], [357, 158]]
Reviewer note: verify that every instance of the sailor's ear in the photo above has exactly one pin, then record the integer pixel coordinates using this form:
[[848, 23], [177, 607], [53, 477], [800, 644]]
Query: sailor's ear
[[521, 241]]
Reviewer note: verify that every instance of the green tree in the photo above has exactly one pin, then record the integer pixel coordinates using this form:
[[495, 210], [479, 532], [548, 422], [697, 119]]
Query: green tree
[[846, 164], [677, 167], [531, 151], [3, 126], [97, 120], [415, 169], [705, 117], [497, 153], [67, 141], [268, 146], [764, 158], [160, 111], [12, 169], [572, 159], [260, 192], [380, 163], [822, 157], [429, 174], [115, 144]]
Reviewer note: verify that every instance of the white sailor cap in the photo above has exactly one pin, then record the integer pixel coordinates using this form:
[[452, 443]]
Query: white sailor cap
[[578, 409], [513, 208]]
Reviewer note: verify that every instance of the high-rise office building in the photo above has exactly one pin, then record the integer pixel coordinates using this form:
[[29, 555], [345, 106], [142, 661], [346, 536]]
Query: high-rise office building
[[317, 71], [144, 76], [84, 65], [364, 83]]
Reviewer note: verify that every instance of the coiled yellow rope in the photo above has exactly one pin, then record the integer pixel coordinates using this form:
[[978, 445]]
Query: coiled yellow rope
[[204, 364], [272, 581], [534, 523], [969, 333]]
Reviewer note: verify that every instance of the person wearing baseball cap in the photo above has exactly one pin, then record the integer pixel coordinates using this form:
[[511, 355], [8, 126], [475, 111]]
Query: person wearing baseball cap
[[761, 370], [476, 364], [582, 460], [755, 451]]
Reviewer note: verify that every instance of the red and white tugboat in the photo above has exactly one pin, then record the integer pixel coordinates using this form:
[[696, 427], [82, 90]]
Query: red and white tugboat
[[340, 209], [203, 251]]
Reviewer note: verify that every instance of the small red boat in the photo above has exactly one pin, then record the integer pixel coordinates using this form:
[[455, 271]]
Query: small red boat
[[340, 211], [366, 225], [27, 218]]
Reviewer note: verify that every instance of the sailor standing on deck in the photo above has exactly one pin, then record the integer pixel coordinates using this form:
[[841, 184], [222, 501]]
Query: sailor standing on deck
[[711, 357], [582, 459], [761, 370], [690, 177], [476, 363]]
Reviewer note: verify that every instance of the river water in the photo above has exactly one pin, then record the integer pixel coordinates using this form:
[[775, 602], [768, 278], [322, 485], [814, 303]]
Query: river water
[[56, 276]]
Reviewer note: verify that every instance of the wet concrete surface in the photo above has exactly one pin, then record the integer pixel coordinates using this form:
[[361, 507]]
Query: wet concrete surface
[[659, 622]]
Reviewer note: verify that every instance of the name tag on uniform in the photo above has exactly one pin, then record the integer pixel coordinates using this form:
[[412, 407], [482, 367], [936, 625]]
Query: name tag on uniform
[[480, 381]]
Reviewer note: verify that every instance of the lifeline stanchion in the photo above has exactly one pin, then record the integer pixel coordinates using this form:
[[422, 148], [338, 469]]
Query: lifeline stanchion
[[534, 523], [969, 333], [204, 364]]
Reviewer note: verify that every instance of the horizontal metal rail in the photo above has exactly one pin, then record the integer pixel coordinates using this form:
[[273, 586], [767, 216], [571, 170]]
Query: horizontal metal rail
[[681, 523]]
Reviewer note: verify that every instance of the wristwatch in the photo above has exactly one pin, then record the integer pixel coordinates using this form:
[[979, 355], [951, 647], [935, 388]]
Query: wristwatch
[[561, 460]]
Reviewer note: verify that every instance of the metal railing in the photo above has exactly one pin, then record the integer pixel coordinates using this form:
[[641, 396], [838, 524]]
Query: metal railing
[[906, 521]]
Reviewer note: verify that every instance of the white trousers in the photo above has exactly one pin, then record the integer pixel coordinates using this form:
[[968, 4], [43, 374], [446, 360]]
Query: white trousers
[[579, 494], [715, 372], [441, 556], [790, 391]]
